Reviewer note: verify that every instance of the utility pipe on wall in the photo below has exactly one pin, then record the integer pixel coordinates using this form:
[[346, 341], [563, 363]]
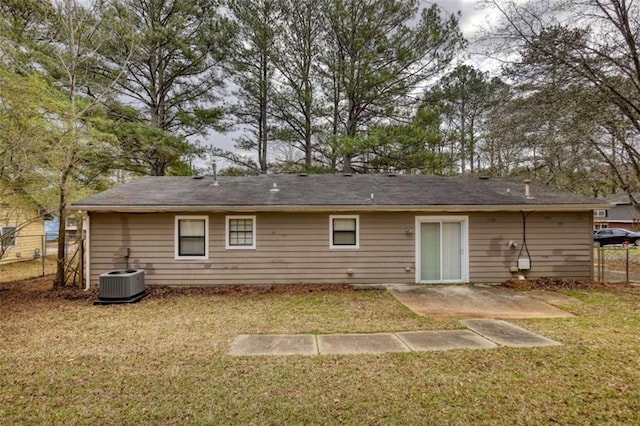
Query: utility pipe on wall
[[87, 268]]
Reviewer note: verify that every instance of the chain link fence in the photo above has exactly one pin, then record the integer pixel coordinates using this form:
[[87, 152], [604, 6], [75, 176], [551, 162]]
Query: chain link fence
[[35, 255], [616, 264]]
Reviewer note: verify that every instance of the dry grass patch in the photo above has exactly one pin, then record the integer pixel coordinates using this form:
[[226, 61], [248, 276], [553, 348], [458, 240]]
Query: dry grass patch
[[163, 361], [26, 269]]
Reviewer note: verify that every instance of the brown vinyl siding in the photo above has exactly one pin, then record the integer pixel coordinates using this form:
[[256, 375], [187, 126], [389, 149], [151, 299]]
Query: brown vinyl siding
[[294, 248], [560, 245]]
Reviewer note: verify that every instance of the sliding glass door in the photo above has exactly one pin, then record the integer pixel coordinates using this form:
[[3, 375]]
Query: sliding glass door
[[441, 254]]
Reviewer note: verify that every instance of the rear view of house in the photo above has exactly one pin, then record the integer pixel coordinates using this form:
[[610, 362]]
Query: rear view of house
[[364, 229]]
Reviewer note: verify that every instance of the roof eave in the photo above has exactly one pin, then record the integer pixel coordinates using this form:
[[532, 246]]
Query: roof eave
[[327, 208]]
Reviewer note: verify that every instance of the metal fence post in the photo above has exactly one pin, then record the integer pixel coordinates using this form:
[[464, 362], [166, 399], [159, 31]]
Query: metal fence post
[[43, 253], [81, 260], [601, 263], [627, 266]]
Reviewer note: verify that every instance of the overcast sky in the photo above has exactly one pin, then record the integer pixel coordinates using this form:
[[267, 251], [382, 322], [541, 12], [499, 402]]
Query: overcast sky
[[471, 17]]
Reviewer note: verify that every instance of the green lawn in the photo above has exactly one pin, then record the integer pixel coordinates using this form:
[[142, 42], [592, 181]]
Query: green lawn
[[163, 361]]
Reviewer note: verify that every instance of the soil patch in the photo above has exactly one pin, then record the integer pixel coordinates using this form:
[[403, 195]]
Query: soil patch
[[247, 290], [561, 284], [41, 289]]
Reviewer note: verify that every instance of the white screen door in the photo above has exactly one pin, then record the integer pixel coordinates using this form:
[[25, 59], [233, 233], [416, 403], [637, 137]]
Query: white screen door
[[441, 247]]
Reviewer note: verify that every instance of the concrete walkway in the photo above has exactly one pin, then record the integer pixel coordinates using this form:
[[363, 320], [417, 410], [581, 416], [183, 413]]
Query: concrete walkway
[[482, 334], [482, 303], [463, 301]]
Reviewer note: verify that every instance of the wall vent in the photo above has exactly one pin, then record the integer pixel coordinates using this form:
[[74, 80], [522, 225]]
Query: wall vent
[[121, 286]]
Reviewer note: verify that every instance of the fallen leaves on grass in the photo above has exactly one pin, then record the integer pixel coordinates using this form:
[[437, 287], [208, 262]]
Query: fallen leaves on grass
[[560, 284], [246, 290], [42, 289]]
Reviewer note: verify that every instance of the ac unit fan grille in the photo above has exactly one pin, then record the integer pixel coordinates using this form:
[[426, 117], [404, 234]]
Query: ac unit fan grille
[[121, 284]]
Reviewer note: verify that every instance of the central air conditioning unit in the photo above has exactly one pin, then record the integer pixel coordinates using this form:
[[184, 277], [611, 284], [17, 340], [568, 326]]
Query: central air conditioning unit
[[121, 286]]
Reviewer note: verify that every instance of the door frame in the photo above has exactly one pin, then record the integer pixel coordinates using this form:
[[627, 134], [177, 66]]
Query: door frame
[[464, 246]]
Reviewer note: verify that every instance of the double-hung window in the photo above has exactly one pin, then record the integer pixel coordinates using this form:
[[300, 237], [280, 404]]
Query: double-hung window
[[7, 236], [344, 231], [240, 232], [192, 237]]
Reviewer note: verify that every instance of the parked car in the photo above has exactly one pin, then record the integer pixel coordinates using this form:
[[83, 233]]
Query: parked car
[[611, 236]]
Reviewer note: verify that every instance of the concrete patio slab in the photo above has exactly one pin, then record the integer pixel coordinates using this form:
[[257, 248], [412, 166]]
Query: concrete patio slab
[[360, 343], [508, 334], [463, 301], [444, 340], [552, 298], [272, 344]]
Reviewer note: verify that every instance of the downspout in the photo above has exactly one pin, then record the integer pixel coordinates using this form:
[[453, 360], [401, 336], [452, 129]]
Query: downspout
[[87, 267]]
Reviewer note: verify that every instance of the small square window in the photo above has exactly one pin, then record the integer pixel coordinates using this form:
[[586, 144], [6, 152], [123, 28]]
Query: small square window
[[599, 213], [344, 232], [240, 232]]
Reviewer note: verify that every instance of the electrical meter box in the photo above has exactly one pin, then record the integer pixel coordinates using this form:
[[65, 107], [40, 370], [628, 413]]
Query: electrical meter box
[[524, 264]]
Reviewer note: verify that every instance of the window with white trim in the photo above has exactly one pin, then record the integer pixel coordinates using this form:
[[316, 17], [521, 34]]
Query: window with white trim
[[7, 237], [344, 231], [599, 213], [192, 237], [240, 232]]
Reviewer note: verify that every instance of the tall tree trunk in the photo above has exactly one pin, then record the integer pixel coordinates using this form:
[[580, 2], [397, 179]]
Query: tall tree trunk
[[263, 133], [335, 130], [351, 134], [62, 234], [472, 146], [308, 154]]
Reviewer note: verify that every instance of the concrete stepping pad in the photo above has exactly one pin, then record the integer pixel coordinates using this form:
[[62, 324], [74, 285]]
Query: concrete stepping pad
[[360, 343], [508, 334], [462, 301], [482, 334], [444, 340], [273, 344]]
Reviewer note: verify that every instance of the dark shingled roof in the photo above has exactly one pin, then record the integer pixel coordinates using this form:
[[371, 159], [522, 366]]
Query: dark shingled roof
[[327, 190], [621, 198]]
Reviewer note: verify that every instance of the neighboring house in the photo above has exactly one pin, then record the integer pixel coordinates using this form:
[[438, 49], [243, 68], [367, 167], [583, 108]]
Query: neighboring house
[[365, 229], [621, 214], [71, 228], [21, 234]]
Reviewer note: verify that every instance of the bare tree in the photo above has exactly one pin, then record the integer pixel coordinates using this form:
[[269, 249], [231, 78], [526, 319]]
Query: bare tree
[[63, 154], [592, 44]]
